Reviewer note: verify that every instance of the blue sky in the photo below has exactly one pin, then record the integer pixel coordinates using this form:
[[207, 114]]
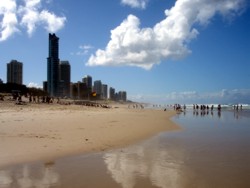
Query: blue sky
[[160, 51]]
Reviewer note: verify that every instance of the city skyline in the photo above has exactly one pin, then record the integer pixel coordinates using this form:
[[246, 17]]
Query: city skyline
[[59, 83], [66, 87], [169, 51]]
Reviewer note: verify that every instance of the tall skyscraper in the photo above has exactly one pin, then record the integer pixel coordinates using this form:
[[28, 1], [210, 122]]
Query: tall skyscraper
[[122, 95], [98, 87], [65, 78], [112, 93], [15, 72], [53, 76], [87, 80], [104, 91]]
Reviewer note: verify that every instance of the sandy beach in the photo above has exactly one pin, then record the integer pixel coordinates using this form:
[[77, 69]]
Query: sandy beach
[[45, 132]]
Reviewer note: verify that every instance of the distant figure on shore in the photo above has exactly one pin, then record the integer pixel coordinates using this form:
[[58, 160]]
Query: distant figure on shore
[[212, 107], [219, 107], [177, 107], [237, 107]]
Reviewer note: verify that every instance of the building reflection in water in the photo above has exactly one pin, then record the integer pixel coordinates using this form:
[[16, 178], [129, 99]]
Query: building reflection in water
[[26, 177], [150, 161]]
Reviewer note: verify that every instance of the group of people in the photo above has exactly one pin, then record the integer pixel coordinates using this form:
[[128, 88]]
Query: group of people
[[205, 107], [237, 107], [52, 100], [136, 106], [43, 99], [91, 104], [196, 107], [178, 107]]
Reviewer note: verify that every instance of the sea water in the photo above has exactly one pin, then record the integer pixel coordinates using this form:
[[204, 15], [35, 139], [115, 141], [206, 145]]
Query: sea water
[[212, 149]]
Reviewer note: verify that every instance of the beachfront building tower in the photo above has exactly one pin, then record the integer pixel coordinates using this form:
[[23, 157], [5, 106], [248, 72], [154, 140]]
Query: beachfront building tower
[[53, 74], [112, 93], [98, 87], [15, 72], [104, 91], [65, 78], [88, 81], [122, 96]]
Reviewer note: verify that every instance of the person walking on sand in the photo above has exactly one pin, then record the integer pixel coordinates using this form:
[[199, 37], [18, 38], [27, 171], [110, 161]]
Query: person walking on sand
[[219, 107]]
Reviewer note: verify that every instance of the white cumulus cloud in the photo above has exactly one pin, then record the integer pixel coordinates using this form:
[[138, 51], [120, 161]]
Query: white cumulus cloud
[[52, 22], [131, 45], [135, 3], [35, 85], [27, 14], [9, 22], [83, 50], [225, 96]]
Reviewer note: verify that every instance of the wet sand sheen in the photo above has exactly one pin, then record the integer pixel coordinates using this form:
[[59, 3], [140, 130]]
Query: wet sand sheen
[[206, 153], [211, 151], [45, 132]]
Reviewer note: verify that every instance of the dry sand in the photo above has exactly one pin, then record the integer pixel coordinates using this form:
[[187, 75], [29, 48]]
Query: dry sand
[[45, 132]]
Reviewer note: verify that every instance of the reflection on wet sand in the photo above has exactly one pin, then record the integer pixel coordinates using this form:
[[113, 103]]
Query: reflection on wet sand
[[211, 151], [162, 168], [202, 155], [205, 113], [27, 177]]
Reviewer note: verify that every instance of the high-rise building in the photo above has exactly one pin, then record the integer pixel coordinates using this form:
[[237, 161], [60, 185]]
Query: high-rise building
[[87, 80], [53, 74], [122, 95], [45, 86], [65, 78], [112, 93], [15, 72], [79, 90], [98, 87], [104, 91]]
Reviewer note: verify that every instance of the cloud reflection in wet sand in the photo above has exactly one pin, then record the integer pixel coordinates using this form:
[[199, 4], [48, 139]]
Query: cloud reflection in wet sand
[[24, 177], [148, 162]]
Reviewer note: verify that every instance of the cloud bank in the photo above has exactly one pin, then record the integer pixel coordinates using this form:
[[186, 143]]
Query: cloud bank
[[225, 96], [34, 85], [16, 15], [135, 3], [131, 45]]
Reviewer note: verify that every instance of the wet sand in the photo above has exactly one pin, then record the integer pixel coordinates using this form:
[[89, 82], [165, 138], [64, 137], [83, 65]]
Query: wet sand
[[45, 132], [211, 151]]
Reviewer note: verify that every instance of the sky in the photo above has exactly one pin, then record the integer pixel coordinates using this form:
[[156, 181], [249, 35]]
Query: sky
[[159, 51]]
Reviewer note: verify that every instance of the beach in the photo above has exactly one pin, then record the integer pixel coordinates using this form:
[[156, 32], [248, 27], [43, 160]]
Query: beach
[[45, 132], [123, 147]]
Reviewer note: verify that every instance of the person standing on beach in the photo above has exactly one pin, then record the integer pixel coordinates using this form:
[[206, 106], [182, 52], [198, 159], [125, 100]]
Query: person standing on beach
[[219, 107]]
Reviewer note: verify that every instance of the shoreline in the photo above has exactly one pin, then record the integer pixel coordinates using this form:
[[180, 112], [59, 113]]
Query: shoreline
[[42, 132]]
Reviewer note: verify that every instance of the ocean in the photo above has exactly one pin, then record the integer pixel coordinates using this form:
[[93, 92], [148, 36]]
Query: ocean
[[211, 150]]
